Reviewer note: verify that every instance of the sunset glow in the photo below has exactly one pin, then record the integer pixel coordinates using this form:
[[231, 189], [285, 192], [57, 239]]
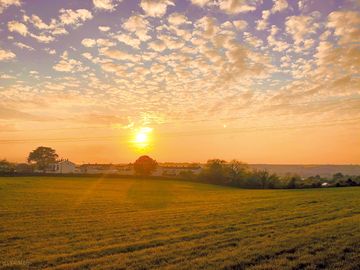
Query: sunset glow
[[142, 137], [262, 81], [179, 134]]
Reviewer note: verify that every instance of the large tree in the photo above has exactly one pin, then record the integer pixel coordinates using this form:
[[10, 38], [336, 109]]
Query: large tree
[[145, 165], [216, 171], [42, 156]]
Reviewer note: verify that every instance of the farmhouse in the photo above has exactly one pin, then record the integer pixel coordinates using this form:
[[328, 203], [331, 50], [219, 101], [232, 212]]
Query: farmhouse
[[62, 166]]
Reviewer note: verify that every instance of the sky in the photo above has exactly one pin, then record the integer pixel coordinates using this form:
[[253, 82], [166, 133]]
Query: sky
[[261, 81]]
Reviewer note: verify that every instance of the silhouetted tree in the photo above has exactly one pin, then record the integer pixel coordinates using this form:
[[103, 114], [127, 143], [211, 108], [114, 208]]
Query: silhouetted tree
[[42, 156], [145, 165], [350, 182], [215, 171], [338, 176], [292, 183], [6, 167], [238, 172], [273, 181]]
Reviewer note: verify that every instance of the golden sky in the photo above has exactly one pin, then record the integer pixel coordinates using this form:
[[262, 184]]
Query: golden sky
[[107, 80]]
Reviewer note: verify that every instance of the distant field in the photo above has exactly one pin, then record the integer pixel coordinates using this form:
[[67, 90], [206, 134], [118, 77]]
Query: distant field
[[309, 170], [88, 223]]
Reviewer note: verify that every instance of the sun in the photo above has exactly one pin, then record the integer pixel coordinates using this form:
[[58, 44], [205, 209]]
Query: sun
[[142, 137]]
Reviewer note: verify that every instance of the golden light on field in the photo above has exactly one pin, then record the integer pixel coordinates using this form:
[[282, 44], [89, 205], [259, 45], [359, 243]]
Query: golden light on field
[[142, 137]]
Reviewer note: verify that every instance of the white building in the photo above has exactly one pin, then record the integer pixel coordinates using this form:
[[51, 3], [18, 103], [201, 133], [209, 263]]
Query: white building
[[62, 166], [126, 170], [325, 184], [176, 170], [99, 169]]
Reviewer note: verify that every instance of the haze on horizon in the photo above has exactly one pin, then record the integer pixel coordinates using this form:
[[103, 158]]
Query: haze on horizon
[[107, 80]]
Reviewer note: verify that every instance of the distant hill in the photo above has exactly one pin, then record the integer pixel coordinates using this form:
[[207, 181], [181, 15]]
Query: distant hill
[[309, 170]]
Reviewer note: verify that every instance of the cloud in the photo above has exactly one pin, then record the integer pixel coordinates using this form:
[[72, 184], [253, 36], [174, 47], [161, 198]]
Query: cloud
[[39, 24], [4, 4], [208, 25], [240, 24], [236, 6], [169, 41], [69, 65], [299, 27], [263, 23], [206, 64], [201, 3], [7, 113], [119, 70], [177, 19], [139, 26], [345, 25], [229, 6], [120, 55], [18, 27], [277, 45], [87, 55], [252, 40], [88, 42], [156, 8], [104, 28], [59, 31], [6, 76], [108, 5], [6, 55], [305, 5], [157, 45], [23, 46], [101, 42], [128, 40], [43, 38], [279, 5], [50, 51], [77, 17], [55, 27]]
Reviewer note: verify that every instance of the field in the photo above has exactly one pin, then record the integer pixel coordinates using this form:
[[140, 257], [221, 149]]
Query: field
[[90, 223]]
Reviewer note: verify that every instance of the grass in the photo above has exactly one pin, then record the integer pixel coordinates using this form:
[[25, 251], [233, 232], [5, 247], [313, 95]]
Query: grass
[[89, 223]]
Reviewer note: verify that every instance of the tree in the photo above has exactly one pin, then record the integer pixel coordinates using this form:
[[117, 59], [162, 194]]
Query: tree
[[238, 172], [264, 179], [145, 165], [6, 167], [42, 156], [215, 171], [338, 176]]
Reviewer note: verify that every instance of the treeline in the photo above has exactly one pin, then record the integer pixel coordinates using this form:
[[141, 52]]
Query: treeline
[[8, 168], [220, 172], [239, 174]]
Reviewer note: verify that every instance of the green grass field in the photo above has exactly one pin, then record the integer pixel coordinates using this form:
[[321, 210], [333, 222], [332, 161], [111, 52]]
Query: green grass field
[[89, 223]]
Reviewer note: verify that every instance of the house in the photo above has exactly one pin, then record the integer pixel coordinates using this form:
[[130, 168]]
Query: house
[[61, 166], [176, 170], [126, 169], [99, 169], [325, 184]]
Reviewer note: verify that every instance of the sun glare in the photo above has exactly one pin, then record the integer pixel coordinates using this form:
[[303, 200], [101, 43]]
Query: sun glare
[[142, 137]]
